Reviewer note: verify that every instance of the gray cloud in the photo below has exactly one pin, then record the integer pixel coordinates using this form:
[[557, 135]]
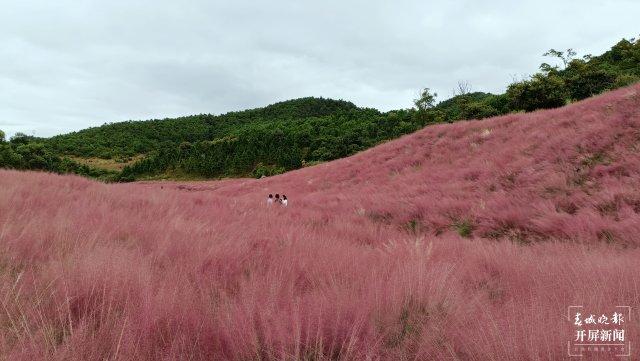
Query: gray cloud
[[67, 65]]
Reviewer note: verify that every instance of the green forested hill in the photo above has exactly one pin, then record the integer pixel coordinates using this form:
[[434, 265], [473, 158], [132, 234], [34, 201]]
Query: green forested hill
[[272, 146], [135, 137], [294, 133]]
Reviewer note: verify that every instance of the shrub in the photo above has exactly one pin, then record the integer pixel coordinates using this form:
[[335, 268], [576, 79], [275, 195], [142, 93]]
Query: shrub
[[262, 170], [539, 92], [623, 80], [464, 228]]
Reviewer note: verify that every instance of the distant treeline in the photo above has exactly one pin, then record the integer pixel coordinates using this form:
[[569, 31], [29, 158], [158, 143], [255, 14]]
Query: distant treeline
[[295, 133], [31, 153]]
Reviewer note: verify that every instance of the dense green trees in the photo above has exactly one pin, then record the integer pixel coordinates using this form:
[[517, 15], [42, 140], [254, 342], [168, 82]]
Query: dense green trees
[[270, 147], [476, 105], [27, 152], [134, 137], [540, 92], [578, 78]]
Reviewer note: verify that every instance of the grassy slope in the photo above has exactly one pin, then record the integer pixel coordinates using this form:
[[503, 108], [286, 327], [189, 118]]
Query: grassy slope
[[107, 164], [367, 261]]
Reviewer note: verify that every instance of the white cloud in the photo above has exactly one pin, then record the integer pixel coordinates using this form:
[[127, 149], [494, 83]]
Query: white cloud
[[67, 65]]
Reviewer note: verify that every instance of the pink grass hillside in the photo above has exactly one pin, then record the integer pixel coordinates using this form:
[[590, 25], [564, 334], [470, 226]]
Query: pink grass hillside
[[465, 241]]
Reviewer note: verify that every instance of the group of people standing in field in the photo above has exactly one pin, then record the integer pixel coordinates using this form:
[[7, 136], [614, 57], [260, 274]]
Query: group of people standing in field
[[277, 200]]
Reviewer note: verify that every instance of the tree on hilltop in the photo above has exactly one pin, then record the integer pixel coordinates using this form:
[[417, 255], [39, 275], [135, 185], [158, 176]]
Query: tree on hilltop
[[426, 100]]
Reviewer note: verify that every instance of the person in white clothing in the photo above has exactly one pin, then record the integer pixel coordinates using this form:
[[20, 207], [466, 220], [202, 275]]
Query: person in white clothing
[[284, 200], [270, 200]]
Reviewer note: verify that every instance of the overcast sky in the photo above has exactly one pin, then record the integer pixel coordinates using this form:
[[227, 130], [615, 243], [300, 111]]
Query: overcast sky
[[67, 65]]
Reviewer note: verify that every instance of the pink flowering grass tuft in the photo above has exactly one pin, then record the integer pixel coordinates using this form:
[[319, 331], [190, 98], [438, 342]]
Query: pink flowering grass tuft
[[463, 241]]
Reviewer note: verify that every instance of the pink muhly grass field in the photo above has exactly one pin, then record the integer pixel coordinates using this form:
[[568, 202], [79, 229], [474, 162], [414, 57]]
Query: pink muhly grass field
[[463, 241]]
